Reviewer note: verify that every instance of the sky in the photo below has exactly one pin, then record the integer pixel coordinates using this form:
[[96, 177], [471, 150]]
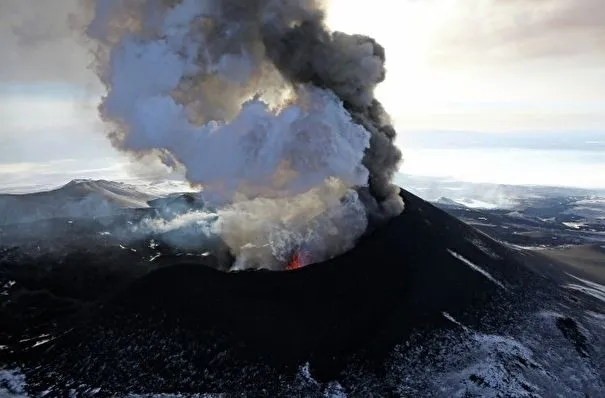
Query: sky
[[505, 69], [487, 65]]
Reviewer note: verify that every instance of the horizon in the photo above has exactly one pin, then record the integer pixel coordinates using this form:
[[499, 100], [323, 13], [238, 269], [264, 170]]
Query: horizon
[[462, 103]]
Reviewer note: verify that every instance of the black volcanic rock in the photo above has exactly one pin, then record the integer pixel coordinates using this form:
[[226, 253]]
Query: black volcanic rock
[[187, 327]]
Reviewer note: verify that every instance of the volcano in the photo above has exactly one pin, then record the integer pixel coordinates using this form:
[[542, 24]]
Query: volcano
[[424, 305]]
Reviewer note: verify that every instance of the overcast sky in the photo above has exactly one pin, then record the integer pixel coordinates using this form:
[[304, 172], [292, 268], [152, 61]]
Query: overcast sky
[[478, 65], [488, 64], [458, 65]]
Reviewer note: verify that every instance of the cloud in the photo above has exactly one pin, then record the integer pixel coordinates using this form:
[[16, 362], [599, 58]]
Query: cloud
[[512, 30], [41, 41]]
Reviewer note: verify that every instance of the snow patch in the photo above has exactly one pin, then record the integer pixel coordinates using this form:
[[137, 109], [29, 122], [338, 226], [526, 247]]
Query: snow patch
[[206, 395], [574, 225], [593, 285], [12, 383], [586, 290], [476, 203], [590, 288], [476, 268], [6, 287], [596, 315], [481, 246], [454, 321]]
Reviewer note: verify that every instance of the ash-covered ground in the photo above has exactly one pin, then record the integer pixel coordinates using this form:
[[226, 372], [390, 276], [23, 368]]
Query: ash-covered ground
[[564, 224], [425, 305]]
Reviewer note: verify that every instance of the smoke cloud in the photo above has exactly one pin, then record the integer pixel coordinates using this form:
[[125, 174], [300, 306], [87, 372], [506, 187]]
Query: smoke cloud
[[269, 112], [41, 42], [264, 233]]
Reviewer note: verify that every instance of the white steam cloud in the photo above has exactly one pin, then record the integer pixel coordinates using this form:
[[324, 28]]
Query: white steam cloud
[[279, 148], [264, 233]]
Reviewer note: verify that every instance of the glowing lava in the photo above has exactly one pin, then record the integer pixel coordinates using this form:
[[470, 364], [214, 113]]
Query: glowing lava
[[296, 262]]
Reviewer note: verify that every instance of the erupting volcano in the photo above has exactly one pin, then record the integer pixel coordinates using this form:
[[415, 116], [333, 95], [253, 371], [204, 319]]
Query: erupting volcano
[[296, 262], [269, 112], [109, 289]]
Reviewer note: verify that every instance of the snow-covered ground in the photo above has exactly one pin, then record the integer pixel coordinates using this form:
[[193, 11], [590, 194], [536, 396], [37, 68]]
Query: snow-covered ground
[[12, 383]]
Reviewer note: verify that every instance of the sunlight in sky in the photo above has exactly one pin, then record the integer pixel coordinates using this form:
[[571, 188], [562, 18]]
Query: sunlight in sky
[[439, 76], [405, 33], [581, 169], [39, 123], [452, 65], [38, 113]]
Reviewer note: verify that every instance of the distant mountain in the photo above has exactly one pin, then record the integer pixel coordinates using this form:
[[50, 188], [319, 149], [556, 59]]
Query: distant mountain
[[538, 218], [77, 199], [494, 195]]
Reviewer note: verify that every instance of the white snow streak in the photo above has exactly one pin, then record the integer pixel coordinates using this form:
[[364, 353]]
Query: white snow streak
[[476, 268], [593, 289]]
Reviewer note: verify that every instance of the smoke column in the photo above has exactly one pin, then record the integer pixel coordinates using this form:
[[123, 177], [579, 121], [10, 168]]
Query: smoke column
[[351, 66], [269, 112]]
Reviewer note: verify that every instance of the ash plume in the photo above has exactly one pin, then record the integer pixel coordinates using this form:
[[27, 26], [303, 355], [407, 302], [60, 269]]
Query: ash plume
[[351, 66], [257, 101]]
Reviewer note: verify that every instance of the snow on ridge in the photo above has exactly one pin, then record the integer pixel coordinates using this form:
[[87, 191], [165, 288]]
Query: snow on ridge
[[476, 268], [573, 225], [587, 287], [450, 318], [591, 284], [586, 290], [163, 395], [483, 247], [475, 203]]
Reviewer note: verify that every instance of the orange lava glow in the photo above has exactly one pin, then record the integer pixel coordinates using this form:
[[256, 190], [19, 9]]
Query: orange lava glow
[[295, 262]]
